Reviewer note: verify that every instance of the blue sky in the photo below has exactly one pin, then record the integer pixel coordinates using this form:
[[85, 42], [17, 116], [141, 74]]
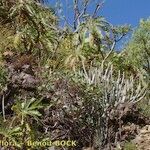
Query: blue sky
[[126, 11], [119, 12]]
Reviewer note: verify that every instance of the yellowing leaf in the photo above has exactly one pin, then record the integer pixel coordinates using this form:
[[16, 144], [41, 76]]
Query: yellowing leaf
[[17, 39]]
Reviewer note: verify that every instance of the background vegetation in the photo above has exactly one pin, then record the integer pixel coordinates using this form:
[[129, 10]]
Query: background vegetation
[[69, 82]]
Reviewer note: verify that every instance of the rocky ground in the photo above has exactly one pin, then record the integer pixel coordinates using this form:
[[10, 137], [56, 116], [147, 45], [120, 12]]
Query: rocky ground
[[142, 140]]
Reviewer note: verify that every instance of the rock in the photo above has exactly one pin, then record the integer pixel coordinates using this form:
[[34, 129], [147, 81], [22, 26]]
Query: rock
[[88, 148], [142, 140]]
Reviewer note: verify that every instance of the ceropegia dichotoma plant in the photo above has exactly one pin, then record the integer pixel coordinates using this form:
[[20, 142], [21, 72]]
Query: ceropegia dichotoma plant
[[118, 93]]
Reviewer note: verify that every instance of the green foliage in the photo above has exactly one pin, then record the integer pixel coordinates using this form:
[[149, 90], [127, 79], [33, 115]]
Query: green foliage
[[77, 86], [3, 77], [6, 43], [27, 108], [20, 128], [130, 146], [138, 50], [32, 30], [145, 107], [137, 53]]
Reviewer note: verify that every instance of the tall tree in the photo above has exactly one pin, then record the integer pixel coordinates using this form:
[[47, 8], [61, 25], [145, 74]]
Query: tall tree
[[138, 49]]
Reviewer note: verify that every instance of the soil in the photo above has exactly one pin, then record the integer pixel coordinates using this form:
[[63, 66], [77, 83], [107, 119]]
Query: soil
[[142, 140]]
